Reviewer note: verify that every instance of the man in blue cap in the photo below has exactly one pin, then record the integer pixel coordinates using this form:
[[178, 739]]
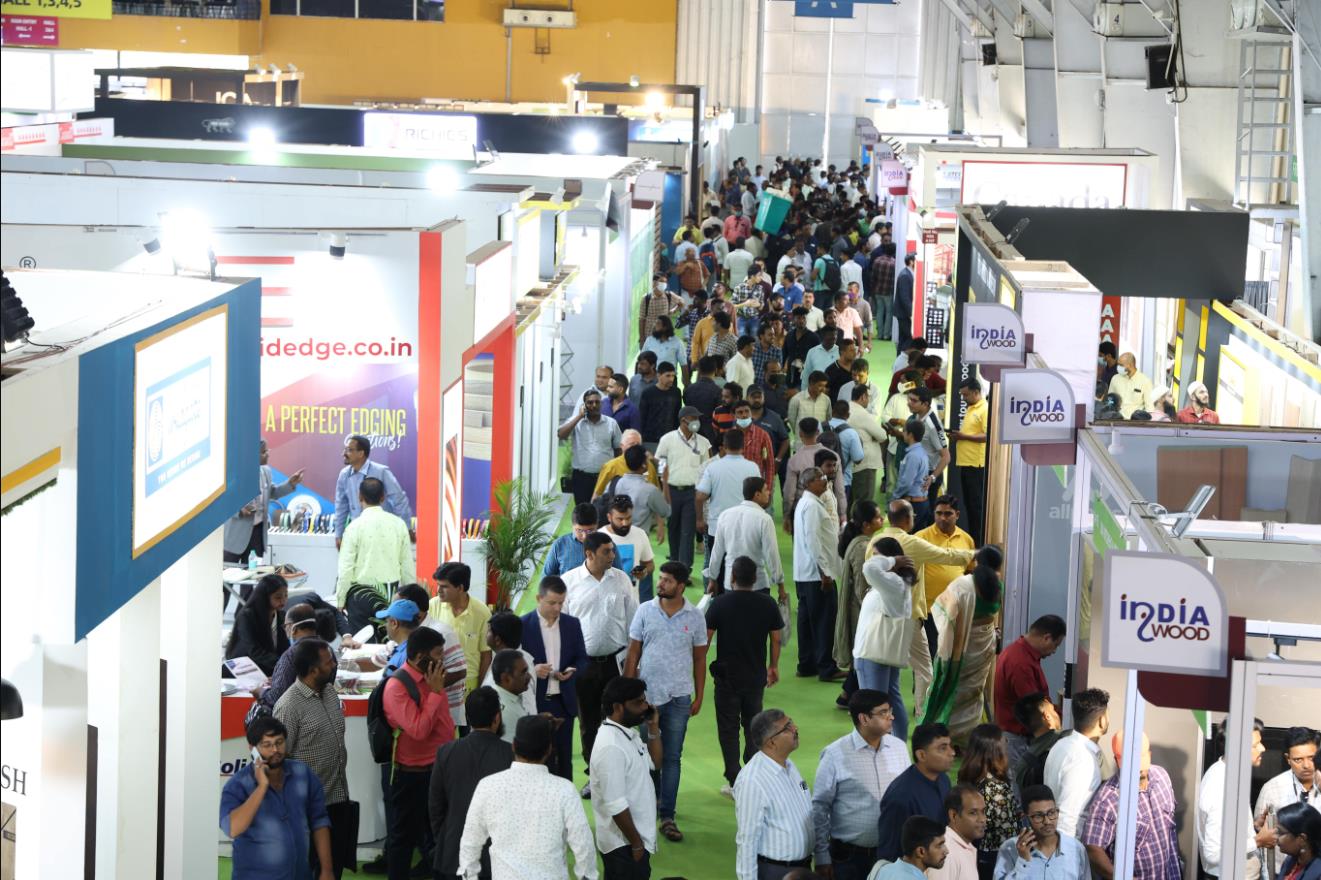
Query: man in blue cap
[[401, 618]]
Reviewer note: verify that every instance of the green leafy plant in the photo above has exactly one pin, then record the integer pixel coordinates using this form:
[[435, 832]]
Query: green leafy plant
[[516, 535]]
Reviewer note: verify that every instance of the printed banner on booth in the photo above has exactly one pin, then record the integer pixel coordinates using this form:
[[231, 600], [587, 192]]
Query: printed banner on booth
[[1163, 613]]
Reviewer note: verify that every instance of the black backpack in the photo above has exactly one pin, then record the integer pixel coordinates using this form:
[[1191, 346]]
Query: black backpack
[[603, 501], [833, 281], [380, 735]]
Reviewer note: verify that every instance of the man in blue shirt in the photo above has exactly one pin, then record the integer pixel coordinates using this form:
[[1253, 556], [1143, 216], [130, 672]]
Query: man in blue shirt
[[923, 843], [918, 791], [850, 444], [911, 484], [268, 809], [566, 553], [358, 467]]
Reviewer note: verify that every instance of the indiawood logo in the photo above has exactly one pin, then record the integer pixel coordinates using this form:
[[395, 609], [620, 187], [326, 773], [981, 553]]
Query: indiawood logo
[[1036, 410], [1162, 620], [994, 337]]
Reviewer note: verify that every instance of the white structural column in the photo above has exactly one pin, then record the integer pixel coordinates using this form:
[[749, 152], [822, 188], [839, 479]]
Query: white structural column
[[123, 704], [1307, 133], [191, 650]]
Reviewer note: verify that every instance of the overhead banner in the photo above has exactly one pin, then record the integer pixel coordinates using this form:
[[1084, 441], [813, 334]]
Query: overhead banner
[[1036, 406], [1045, 184], [441, 136], [1162, 613], [59, 8], [993, 334]]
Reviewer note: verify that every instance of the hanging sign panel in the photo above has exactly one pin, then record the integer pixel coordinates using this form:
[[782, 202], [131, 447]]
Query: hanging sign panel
[[59, 8], [993, 334], [1036, 406], [1163, 614]]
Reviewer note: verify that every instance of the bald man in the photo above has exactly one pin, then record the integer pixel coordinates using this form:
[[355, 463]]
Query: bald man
[[1132, 387], [1157, 851], [616, 467]]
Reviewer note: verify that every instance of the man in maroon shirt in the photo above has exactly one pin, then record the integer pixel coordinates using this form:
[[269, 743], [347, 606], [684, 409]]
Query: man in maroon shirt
[[423, 725], [1018, 673]]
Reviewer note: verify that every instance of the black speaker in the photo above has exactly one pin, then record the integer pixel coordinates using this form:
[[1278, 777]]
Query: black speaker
[[1160, 66], [988, 53]]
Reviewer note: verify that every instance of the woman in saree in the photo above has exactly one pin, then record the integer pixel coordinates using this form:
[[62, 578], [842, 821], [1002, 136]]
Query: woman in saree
[[965, 617]]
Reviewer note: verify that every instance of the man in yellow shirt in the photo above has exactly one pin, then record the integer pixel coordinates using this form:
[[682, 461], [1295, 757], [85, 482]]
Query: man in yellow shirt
[[970, 455], [703, 331], [1131, 387], [922, 552], [946, 534], [468, 616], [616, 467]]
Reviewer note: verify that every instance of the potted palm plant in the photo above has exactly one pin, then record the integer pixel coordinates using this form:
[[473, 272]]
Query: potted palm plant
[[516, 535]]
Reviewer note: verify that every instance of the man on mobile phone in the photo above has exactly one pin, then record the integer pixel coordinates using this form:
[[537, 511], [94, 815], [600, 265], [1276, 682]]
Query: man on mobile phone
[[258, 821], [1041, 843], [555, 641]]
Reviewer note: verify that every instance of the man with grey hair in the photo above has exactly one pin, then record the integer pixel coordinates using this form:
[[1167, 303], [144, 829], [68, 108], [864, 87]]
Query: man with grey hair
[[772, 804], [816, 564]]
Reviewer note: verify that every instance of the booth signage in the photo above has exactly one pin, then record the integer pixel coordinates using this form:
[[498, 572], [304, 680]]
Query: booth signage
[[441, 136], [1036, 406], [1044, 184], [1163, 614], [30, 30], [56, 9], [1112, 308], [894, 176], [993, 334]]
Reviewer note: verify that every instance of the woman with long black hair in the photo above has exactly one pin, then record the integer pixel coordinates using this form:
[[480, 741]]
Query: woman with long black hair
[[865, 520], [259, 625]]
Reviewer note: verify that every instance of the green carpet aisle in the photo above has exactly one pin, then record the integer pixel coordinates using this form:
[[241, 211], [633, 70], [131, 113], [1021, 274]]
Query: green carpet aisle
[[706, 818]]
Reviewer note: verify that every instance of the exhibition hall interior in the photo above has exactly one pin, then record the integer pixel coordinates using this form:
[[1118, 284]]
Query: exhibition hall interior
[[675, 439]]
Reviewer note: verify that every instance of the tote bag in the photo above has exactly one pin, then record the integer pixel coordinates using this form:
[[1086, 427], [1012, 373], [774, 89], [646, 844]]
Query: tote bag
[[887, 640]]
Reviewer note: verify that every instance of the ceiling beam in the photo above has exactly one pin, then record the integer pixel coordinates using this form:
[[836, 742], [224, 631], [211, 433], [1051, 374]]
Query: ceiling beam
[[1037, 10]]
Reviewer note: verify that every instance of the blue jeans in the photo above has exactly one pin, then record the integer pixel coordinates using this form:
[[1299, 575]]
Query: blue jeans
[[874, 676], [674, 727], [645, 589]]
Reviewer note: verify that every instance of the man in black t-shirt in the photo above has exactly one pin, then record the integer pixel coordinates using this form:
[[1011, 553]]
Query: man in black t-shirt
[[745, 621]]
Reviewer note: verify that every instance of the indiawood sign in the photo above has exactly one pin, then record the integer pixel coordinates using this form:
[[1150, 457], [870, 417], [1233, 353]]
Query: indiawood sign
[[1162, 613], [1036, 406], [445, 137], [992, 334]]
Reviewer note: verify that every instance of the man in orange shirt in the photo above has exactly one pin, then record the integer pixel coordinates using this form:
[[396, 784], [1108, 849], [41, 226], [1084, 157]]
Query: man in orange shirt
[[758, 447]]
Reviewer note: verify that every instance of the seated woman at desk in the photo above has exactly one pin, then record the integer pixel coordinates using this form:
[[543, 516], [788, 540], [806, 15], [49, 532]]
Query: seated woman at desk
[[259, 625]]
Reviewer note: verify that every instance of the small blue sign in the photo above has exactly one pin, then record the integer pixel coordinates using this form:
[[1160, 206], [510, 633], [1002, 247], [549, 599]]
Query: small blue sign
[[823, 8]]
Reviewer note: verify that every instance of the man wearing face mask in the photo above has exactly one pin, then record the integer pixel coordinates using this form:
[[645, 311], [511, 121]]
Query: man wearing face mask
[[682, 453], [758, 447], [1132, 387], [1198, 410]]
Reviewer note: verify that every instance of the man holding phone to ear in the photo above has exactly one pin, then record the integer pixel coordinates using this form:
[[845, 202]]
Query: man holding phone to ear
[[258, 802]]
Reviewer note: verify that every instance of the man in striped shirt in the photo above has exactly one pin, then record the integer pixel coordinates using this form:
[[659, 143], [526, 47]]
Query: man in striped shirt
[[772, 804]]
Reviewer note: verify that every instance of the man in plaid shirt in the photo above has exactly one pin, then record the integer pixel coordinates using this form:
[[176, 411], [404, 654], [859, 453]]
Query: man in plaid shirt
[[764, 352], [655, 304], [882, 285], [1156, 852], [687, 322]]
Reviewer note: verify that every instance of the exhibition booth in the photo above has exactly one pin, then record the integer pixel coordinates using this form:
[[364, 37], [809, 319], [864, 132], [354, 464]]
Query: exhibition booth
[[129, 420]]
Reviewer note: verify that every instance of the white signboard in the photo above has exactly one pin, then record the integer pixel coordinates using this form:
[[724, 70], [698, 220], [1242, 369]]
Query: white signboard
[[1044, 184], [894, 175], [1163, 614], [993, 334], [179, 382], [445, 137], [1036, 406]]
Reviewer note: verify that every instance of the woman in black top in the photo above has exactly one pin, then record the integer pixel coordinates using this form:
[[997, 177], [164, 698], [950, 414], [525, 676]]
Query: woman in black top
[[259, 625]]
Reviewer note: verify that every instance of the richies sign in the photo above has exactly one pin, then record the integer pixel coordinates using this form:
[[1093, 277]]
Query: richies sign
[[1036, 406], [1163, 614], [992, 334]]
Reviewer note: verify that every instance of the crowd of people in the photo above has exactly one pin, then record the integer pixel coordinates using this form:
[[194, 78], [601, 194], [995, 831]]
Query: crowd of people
[[1125, 392], [745, 390]]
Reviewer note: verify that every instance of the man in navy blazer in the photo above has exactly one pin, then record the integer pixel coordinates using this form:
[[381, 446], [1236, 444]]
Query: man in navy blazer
[[556, 670]]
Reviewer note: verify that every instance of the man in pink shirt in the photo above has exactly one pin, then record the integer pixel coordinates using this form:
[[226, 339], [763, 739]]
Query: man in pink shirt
[[417, 708], [847, 319], [737, 226]]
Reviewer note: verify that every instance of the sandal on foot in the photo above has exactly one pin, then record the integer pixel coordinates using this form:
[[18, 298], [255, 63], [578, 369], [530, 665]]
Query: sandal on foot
[[670, 830]]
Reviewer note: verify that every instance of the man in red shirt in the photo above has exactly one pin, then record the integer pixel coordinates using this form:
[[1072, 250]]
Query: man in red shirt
[[758, 447], [422, 726], [1018, 673]]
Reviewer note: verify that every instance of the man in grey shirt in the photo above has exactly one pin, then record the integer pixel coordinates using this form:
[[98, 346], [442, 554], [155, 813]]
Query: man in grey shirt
[[594, 440], [649, 505]]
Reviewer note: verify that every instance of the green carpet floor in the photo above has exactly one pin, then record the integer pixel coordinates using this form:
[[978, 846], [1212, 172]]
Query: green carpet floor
[[706, 818]]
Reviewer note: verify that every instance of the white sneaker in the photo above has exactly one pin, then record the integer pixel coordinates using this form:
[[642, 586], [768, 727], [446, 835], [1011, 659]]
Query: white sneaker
[[727, 790]]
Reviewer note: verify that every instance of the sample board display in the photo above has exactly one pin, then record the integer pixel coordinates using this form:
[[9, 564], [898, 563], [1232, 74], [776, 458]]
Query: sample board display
[[179, 424]]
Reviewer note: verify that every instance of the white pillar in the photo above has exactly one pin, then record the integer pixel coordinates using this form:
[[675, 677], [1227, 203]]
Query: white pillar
[[190, 646], [123, 704]]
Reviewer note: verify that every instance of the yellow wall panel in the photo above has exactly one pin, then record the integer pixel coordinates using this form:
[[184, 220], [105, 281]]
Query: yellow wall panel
[[461, 58]]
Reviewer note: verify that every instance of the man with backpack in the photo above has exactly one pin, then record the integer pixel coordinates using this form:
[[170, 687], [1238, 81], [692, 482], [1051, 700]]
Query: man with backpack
[[826, 276], [712, 254], [409, 711]]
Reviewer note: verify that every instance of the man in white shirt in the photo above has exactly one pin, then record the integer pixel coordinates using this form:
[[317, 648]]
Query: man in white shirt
[[772, 804], [1297, 784], [737, 263], [682, 454], [1211, 808], [623, 796], [504, 632], [632, 546], [528, 815], [816, 319], [816, 565], [601, 597], [721, 485], [965, 812], [513, 678], [866, 473], [739, 369], [1073, 767], [850, 780], [747, 530]]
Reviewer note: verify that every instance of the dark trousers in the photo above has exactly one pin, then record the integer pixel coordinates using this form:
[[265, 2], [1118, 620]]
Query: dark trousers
[[864, 486], [851, 862], [921, 515], [360, 607], [343, 838], [619, 865], [561, 760], [407, 824], [884, 309], [816, 629], [599, 672], [736, 705], [929, 627], [681, 529], [972, 483], [583, 484]]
